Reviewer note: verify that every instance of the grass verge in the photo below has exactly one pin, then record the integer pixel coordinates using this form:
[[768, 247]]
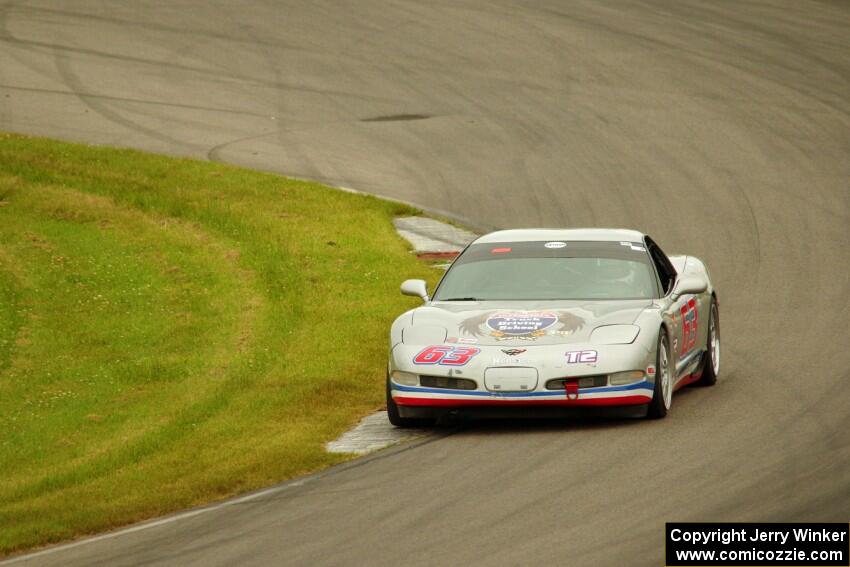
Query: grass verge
[[174, 331]]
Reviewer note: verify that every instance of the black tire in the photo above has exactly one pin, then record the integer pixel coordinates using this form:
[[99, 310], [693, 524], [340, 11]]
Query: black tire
[[395, 418], [658, 408], [711, 364]]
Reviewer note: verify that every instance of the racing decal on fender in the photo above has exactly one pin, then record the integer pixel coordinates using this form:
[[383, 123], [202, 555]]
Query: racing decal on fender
[[689, 325], [445, 355], [581, 356]]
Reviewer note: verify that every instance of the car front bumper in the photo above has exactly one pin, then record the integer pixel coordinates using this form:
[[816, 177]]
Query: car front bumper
[[637, 393], [497, 387]]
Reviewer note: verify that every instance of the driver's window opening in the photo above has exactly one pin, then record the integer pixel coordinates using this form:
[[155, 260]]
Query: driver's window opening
[[665, 273]]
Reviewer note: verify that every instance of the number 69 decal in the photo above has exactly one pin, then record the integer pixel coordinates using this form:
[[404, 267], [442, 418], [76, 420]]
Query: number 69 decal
[[446, 355]]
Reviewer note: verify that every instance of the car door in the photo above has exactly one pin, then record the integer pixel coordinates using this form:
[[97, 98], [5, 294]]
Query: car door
[[694, 312], [688, 310]]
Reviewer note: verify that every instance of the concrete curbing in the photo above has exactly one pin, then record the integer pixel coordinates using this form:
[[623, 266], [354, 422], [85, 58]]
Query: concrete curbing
[[432, 239], [374, 432]]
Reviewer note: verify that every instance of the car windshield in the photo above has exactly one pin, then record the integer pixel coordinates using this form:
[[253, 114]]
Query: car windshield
[[549, 270]]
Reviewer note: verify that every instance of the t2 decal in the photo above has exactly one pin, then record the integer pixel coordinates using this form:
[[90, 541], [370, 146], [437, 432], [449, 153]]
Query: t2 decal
[[581, 356], [689, 325], [446, 355]]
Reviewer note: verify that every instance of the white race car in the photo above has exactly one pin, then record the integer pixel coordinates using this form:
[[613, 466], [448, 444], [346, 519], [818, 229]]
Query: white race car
[[543, 322]]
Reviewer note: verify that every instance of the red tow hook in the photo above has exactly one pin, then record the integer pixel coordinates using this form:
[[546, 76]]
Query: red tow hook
[[571, 387]]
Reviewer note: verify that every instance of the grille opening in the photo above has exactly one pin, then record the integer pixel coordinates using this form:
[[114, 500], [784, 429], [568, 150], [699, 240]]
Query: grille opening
[[446, 382], [583, 382]]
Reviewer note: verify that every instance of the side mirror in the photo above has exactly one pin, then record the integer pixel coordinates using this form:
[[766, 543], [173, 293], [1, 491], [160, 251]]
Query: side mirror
[[690, 284], [416, 288]]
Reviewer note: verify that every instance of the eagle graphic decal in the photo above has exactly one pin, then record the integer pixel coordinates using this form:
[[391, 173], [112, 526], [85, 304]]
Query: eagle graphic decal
[[524, 325]]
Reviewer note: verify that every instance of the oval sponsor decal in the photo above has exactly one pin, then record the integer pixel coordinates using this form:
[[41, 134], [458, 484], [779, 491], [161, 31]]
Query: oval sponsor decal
[[520, 323], [555, 244]]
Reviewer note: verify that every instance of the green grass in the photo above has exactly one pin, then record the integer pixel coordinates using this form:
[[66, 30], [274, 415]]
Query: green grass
[[174, 332]]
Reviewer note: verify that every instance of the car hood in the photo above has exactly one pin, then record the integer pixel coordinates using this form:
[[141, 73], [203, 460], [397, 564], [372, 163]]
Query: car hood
[[526, 322]]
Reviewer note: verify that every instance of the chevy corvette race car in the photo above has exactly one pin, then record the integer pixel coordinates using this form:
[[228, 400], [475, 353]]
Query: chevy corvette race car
[[542, 322]]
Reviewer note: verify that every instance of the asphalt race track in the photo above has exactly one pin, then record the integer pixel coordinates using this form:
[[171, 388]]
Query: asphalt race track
[[722, 129]]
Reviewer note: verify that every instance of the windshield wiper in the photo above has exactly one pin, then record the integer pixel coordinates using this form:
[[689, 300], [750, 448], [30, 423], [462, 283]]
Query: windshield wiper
[[460, 299]]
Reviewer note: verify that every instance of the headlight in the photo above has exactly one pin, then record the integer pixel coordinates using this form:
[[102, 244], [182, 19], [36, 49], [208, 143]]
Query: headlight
[[424, 335], [614, 334], [621, 378], [405, 378]]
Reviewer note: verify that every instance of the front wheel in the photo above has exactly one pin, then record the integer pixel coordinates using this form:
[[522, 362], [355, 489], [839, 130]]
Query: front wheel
[[662, 395], [393, 415], [711, 366]]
